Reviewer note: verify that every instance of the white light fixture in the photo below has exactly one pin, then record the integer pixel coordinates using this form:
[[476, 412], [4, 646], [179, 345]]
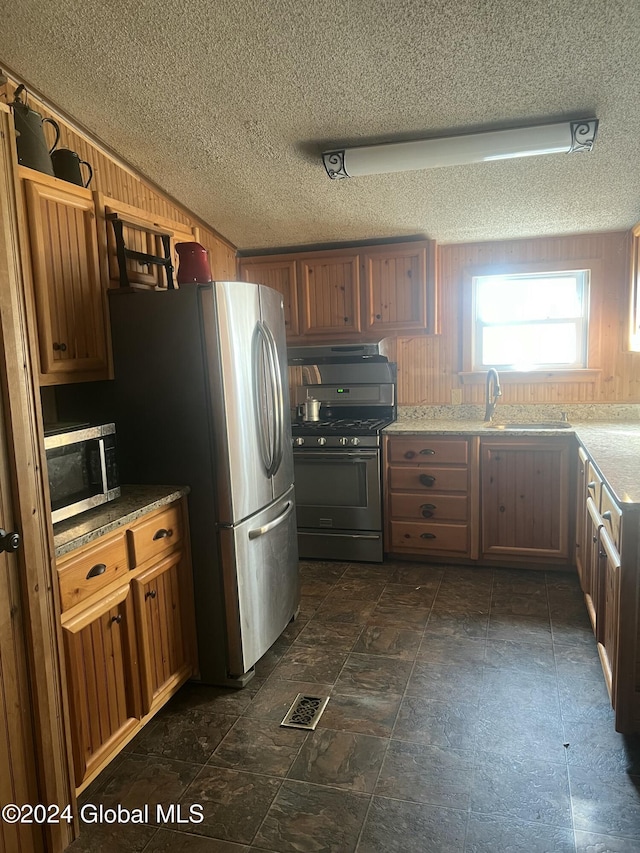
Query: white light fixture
[[562, 137]]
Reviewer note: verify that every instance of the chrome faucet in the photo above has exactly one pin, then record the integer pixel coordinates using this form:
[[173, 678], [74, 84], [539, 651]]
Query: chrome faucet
[[492, 399]]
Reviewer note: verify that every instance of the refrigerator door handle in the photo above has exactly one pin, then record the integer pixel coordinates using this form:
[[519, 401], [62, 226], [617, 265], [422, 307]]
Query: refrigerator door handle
[[260, 531], [262, 346], [276, 381]]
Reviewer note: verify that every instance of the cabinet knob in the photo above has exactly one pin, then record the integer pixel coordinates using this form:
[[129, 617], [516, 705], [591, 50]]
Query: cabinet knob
[[409, 454], [378, 316], [427, 479], [117, 619], [346, 319], [9, 542], [591, 485], [60, 347], [150, 594], [163, 533], [607, 515]]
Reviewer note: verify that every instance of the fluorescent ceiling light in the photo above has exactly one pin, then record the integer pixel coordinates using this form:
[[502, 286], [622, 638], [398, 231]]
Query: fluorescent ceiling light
[[559, 138]]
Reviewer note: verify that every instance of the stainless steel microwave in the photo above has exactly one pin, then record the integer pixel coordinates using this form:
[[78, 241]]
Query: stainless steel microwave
[[82, 468]]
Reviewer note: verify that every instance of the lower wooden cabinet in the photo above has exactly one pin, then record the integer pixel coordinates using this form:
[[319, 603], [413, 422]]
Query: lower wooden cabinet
[[103, 679], [129, 641], [162, 617], [429, 496], [525, 499]]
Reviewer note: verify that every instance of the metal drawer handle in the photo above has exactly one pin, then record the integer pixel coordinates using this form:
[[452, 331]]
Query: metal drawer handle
[[117, 619], [163, 533], [427, 510], [427, 452], [94, 571], [427, 535], [150, 594], [427, 479], [607, 515]]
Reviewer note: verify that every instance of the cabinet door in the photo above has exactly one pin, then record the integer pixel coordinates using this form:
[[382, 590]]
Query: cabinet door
[[609, 612], [581, 523], [395, 289], [281, 276], [103, 679], [164, 615], [69, 298], [525, 498], [330, 295], [142, 232]]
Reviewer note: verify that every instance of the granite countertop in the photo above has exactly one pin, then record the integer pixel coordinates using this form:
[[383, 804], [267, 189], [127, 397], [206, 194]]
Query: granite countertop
[[613, 445], [134, 502]]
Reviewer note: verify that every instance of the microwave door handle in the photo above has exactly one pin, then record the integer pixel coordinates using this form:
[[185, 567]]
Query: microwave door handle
[[103, 465], [260, 345]]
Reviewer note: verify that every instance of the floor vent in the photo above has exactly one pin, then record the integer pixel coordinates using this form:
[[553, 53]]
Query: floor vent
[[305, 712]]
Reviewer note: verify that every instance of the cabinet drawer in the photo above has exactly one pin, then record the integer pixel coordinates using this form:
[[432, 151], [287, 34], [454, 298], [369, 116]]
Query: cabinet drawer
[[429, 536], [594, 484], [428, 479], [437, 507], [611, 516], [419, 450], [155, 535], [94, 568]]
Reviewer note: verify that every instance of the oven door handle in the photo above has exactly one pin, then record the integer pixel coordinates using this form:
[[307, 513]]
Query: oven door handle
[[362, 455], [260, 531]]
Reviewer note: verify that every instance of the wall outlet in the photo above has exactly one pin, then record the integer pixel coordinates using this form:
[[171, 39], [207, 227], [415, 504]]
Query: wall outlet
[[456, 396]]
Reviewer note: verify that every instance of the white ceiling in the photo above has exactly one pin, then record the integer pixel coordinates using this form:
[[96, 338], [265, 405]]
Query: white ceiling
[[227, 104]]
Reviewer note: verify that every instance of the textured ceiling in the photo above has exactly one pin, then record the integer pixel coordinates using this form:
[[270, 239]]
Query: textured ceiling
[[227, 105]]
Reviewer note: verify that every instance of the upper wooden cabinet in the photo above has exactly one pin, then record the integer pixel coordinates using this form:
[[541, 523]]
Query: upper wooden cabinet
[[142, 232], [330, 295], [365, 292], [395, 291], [281, 276], [67, 289]]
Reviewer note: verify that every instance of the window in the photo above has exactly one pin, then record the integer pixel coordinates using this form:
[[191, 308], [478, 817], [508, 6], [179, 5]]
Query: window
[[531, 321]]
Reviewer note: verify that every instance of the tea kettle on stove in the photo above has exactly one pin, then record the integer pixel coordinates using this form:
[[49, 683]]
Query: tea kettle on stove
[[33, 149], [309, 410]]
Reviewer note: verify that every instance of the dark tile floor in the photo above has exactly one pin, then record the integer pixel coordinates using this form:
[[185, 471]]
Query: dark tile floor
[[468, 712]]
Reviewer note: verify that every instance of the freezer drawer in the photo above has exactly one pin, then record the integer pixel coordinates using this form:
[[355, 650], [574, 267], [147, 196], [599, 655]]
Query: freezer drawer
[[260, 571]]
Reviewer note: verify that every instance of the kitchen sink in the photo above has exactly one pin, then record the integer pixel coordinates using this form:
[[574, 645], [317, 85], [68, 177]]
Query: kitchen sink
[[532, 425]]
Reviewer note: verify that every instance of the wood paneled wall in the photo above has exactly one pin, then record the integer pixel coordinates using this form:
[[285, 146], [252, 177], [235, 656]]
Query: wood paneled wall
[[116, 180], [428, 366]]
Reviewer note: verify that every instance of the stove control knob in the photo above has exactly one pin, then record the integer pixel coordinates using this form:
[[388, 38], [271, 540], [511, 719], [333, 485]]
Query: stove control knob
[[298, 442], [343, 441], [322, 441], [355, 441]]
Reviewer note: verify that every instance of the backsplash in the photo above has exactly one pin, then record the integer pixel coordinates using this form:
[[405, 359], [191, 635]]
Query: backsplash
[[509, 413]]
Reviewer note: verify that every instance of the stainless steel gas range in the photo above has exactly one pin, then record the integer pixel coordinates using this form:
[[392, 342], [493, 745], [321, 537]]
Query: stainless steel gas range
[[337, 458]]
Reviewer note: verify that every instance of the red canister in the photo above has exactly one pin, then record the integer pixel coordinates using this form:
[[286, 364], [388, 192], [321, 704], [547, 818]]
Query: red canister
[[193, 263]]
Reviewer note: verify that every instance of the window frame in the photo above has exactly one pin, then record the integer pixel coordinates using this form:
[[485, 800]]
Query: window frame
[[581, 323], [472, 375]]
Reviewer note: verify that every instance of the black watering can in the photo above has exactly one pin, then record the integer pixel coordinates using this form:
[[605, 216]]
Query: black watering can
[[33, 149]]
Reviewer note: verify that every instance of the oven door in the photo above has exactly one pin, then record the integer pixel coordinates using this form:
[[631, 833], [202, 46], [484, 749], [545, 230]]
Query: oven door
[[338, 489]]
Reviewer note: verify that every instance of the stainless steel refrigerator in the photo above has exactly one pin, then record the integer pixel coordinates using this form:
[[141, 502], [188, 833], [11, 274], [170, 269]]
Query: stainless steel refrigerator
[[202, 399]]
